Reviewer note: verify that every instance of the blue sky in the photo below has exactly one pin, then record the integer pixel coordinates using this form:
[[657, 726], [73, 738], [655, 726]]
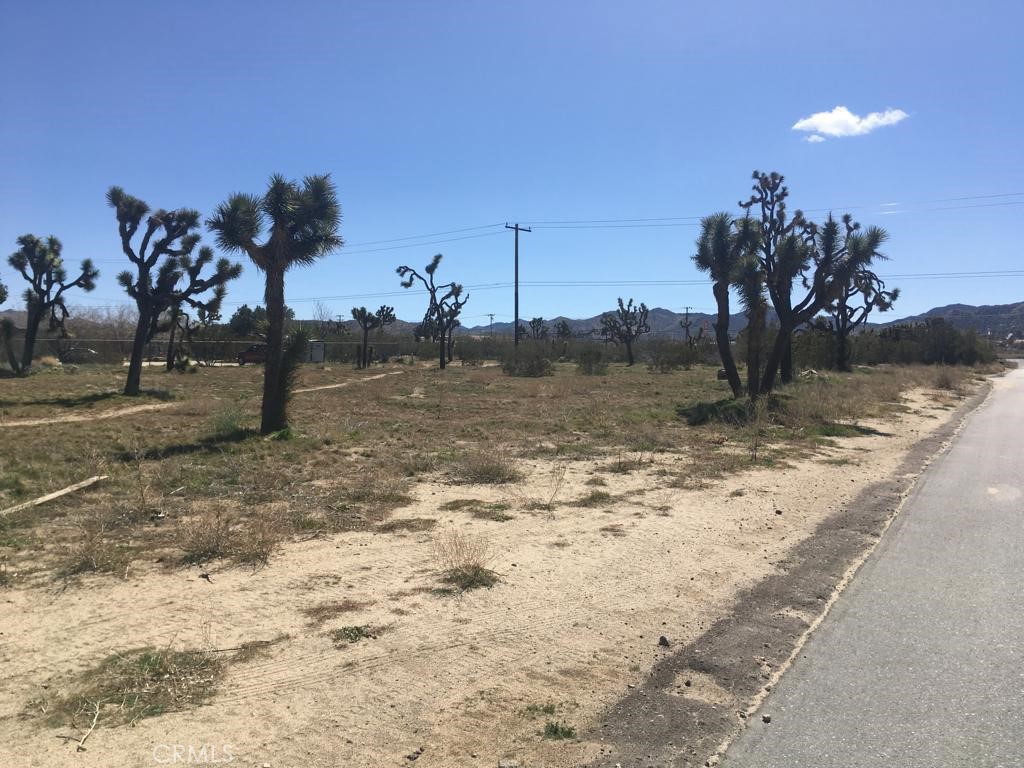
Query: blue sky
[[441, 116]]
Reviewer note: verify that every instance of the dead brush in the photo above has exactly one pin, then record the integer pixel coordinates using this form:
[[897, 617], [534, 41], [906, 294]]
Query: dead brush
[[258, 538], [464, 560], [136, 684], [376, 491], [94, 550], [204, 537], [487, 467]]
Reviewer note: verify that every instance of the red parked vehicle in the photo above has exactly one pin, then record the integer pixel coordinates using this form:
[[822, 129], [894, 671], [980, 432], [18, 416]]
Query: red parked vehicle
[[257, 353]]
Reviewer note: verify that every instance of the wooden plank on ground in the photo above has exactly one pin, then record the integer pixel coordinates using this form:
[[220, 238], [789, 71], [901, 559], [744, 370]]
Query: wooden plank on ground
[[51, 496]]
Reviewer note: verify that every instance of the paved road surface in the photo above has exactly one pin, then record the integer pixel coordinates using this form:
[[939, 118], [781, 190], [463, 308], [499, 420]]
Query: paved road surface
[[921, 662]]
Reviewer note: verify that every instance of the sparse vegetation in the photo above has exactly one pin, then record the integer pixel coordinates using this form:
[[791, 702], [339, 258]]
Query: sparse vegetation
[[133, 685], [464, 559], [350, 635], [486, 467], [554, 729]]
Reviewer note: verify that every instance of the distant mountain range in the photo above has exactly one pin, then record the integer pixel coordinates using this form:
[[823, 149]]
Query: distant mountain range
[[997, 320]]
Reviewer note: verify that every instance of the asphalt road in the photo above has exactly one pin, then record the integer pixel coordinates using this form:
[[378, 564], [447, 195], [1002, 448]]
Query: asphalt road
[[920, 664]]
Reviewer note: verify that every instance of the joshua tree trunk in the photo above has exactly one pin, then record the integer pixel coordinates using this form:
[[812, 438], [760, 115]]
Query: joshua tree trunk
[[444, 349], [721, 291], [629, 352], [842, 336], [273, 412], [364, 355], [755, 334], [783, 341], [31, 333], [133, 383], [786, 364], [170, 341]]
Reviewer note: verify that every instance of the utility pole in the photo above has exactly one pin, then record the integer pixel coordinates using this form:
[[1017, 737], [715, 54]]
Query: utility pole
[[490, 327], [515, 327], [686, 324]]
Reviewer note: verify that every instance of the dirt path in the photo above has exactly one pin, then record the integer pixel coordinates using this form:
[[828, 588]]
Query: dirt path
[[75, 418], [346, 383], [570, 634], [133, 409]]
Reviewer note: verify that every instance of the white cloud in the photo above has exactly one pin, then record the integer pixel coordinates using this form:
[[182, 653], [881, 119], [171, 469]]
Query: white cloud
[[814, 138], [842, 122]]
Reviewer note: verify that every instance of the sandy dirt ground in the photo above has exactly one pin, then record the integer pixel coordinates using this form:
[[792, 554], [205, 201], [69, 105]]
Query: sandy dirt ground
[[585, 594]]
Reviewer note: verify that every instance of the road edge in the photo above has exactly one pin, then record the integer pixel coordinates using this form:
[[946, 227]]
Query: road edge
[[764, 631]]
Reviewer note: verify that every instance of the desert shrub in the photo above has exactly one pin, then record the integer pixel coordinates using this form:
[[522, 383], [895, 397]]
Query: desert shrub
[[946, 378], [665, 356], [227, 422], [592, 361], [464, 560], [554, 729], [487, 467], [377, 491], [94, 550], [529, 360], [259, 538], [132, 685], [205, 537]]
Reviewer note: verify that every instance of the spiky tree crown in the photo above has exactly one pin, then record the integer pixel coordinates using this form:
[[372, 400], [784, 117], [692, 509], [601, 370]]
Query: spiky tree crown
[[299, 222], [40, 263], [167, 243]]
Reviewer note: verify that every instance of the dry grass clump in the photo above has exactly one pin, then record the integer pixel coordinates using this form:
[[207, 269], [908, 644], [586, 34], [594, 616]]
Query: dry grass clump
[[94, 550], [258, 539], [593, 498], [140, 683], [217, 534], [464, 560], [376, 492], [484, 467], [205, 537]]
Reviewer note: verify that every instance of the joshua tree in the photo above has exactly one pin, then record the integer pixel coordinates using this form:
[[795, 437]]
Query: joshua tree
[[367, 321], [539, 328], [183, 323], [168, 239], [864, 293], [563, 331], [39, 262], [724, 246], [785, 253], [301, 223], [749, 282], [625, 325], [446, 303], [821, 257]]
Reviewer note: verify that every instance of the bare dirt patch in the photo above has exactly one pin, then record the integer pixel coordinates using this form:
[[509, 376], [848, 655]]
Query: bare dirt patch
[[573, 616]]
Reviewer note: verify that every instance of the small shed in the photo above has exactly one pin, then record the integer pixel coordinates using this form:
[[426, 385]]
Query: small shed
[[317, 351]]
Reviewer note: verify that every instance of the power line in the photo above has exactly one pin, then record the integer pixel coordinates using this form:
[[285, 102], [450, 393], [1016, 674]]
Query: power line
[[420, 237]]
